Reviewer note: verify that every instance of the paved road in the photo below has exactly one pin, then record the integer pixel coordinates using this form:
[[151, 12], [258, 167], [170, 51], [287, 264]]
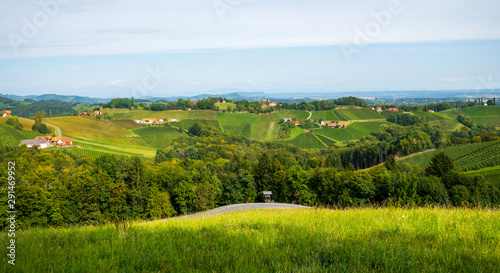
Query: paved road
[[310, 114], [58, 130], [237, 207]]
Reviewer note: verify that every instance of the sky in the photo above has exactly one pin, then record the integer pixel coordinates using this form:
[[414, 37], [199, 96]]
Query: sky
[[123, 48]]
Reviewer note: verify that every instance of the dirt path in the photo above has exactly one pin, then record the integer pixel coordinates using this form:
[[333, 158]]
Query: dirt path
[[237, 207], [310, 114]]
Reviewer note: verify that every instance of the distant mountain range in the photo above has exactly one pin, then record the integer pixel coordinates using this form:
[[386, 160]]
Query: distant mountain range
[[300, 96]]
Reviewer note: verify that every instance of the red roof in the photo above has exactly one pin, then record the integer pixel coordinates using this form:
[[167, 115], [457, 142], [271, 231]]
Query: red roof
[[66, 139]]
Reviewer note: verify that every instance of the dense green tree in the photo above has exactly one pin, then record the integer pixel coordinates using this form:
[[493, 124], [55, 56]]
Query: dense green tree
[[440, 165]]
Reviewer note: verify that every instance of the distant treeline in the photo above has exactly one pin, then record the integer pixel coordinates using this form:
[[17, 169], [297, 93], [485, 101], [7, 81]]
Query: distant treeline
[[29, 108], [207, 168]]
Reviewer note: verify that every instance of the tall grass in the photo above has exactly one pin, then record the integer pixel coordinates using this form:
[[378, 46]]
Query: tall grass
[[301, 240]]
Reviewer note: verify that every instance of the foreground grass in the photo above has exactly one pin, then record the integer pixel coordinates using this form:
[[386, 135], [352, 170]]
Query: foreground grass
[[302, 240]]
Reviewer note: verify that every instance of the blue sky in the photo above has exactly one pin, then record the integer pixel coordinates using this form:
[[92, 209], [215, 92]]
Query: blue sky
[[168, 48]]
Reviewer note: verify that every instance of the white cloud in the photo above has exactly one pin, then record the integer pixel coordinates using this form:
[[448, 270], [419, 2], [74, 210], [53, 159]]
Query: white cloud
[[116, 82], [129, 26]]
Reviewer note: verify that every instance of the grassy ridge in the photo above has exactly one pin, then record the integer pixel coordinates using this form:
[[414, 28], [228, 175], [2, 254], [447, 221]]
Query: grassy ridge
[[355, 240]]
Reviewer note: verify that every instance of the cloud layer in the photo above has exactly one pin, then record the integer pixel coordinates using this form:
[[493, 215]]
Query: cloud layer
[[69, 28]]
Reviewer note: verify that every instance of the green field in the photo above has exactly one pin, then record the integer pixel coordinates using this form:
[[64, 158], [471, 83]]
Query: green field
[[325, 115], [306, 141], [127, 124], [225, 106], [9, 135], [465, 157], [359, 114], [483, 115], [85, 106], [492, 174], [354, 131], [158, 137], [272, 240], [436, 119]]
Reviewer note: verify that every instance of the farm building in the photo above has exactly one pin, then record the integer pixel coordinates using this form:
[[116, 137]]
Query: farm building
[[161, 120], [378, 109], [149, 120], [431, 111], [393, 109], [332, 124], [221, 101], [97, 113], [272, 103], [173, 120], [6, 113], [48, 138], [264, 105], [66, 141], [39, 143], [297, 122]]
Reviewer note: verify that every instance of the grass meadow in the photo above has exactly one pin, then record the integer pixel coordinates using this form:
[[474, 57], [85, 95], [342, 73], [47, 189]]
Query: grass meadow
[[278, 240]]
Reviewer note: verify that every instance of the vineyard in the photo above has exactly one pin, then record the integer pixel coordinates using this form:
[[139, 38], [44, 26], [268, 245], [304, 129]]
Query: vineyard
[[306, 141], [127, 124], [88, 152], [469, 159], [158, 137], [465, 157], [358, 114]]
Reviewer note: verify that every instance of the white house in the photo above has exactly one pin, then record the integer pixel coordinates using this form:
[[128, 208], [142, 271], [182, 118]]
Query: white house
[[322, 123]]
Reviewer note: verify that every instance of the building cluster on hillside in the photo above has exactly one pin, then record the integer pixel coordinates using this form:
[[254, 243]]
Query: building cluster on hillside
[[155, 120], [6, 113], [42, 142], [379, 109], [96, 113], [270, 104]]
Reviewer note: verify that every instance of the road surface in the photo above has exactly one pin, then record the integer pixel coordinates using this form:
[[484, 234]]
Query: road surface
[[237, 207], [310, 114], [58, 130]]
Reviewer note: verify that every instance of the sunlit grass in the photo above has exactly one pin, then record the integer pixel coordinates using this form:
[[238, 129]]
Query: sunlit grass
[[286, 240]]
